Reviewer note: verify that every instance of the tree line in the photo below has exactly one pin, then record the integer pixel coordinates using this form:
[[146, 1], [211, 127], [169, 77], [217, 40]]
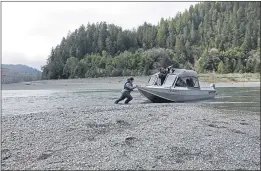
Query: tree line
[[222, 37]]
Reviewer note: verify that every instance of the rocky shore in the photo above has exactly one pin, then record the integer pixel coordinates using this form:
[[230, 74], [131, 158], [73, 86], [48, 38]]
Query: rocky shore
[[142, 136]]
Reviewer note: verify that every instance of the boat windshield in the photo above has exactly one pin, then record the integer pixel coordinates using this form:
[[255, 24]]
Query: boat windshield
[[152, 80], [169, 80]]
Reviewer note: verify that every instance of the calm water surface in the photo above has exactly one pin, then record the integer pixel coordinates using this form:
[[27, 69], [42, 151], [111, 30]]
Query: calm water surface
[[16, 102]]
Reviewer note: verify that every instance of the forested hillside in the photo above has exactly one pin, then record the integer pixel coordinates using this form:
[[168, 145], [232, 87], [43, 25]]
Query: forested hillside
[[211, 36], [18, 73]]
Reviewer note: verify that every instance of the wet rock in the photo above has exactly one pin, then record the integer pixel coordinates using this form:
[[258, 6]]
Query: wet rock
[[130, 140], [91, 138], [6, 154], [220, 122], [45, 155], [122, 123], [244, 123], [159, 157], [237, 131], [216, 126], [181, 154], [180, 161]]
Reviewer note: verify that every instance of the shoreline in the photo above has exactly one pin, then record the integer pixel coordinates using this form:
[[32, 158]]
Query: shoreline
[[105, 83]]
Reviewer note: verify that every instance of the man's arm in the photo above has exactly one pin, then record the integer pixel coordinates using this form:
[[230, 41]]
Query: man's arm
[[129, 86]]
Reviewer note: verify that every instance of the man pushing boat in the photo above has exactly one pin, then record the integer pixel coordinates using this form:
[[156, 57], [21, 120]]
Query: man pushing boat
[[128, 87]]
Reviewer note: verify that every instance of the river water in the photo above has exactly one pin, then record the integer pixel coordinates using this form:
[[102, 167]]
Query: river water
[[15, 102]]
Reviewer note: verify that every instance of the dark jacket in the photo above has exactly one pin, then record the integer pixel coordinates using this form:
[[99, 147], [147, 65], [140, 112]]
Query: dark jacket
[[128, 86], [162, 77]]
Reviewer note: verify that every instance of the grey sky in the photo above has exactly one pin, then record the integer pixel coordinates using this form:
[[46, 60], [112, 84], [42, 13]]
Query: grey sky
[[31, 29]]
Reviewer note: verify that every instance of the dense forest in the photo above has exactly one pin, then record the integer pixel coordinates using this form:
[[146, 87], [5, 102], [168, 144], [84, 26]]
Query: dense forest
[[222, 37]]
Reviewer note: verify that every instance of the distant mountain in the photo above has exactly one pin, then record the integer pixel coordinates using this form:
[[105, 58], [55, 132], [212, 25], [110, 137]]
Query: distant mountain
[[18, 73]]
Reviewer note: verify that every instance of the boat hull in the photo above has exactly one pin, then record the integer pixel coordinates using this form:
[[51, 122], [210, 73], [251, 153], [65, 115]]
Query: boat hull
[[163, 95]]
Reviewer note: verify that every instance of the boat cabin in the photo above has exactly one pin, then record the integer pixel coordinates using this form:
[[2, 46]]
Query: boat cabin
[[178, 78]]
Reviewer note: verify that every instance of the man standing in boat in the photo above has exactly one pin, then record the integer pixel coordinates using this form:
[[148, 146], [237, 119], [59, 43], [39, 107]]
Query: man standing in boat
[[128, 87], [162, 75]]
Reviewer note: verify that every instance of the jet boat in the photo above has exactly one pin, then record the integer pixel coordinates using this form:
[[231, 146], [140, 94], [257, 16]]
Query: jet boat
[[180, 85]]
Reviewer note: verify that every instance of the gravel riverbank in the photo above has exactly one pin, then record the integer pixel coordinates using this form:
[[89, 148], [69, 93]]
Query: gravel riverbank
[[141, 136]]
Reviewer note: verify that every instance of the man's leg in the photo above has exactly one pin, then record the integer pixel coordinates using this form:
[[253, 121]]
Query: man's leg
[[162, 81], [129, 97], [121, 98]]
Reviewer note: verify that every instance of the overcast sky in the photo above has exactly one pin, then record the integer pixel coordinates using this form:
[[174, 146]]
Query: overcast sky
[[31, 29]]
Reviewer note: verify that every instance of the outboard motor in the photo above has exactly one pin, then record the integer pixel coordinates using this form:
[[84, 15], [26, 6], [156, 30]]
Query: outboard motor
[[213, 85]]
